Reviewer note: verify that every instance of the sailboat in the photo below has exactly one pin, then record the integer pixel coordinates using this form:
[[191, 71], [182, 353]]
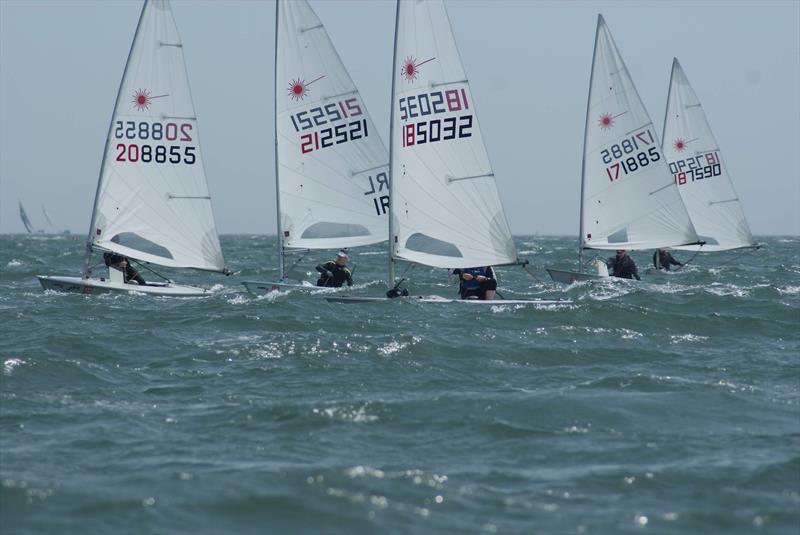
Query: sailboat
[[26, 222], [699, 171], [629, 199], [50, 224], [331, 166], [444, 204], [152, 202]]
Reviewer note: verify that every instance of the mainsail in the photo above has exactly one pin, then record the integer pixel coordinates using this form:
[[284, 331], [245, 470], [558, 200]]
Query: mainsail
[[446, 209], [46, 217], [25, 220], [696, 164], [332, 169], [152, 199], [629, 199]]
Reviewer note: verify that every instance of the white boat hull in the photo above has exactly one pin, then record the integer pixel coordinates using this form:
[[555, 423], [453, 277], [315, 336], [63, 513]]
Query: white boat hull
[[263, 287], [568, 277], [444, 300], [99, 286]]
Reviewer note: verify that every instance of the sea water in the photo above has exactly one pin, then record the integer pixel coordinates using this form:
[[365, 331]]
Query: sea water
[[666, 406]]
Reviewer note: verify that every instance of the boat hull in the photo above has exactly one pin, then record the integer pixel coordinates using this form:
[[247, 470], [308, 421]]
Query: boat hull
[[100, 286], [264, 287], [444, 300], [568, 277]]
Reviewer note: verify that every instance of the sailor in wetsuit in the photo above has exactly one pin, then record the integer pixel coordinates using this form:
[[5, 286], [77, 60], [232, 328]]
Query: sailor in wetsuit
[[335, 273], [623, 266], [476, 283], [662, 259], [117, 261]]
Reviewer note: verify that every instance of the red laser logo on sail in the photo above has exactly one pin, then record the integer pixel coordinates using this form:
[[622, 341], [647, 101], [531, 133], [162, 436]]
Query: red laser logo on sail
[[410, 69], [298, 89], [142, 99], [680, 145], [606, 121]]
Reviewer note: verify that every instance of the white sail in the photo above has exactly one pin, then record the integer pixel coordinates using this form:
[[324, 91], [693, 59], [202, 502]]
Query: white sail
[[445, 205], [152, 199], [699, 171], [629, 199], [333, 168]]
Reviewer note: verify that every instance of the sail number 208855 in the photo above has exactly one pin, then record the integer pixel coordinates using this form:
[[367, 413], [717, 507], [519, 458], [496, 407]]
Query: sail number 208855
[[155, 153]]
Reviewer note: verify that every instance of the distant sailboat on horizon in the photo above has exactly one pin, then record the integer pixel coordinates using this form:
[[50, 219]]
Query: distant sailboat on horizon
[[26, 222], [152, 202], [629, 199]]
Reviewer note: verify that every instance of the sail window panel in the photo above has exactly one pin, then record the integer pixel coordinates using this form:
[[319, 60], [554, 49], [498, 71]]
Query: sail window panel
[[134, 241], [329, 229]]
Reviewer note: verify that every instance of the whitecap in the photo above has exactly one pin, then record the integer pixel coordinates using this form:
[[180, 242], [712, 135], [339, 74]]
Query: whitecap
[[678, 338], [347, 414], [789, 290], [10, 364]]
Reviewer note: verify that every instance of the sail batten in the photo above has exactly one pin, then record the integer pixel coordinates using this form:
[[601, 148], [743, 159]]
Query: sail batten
[[153, 159], [332, 171], [699, 170], [446, 210]]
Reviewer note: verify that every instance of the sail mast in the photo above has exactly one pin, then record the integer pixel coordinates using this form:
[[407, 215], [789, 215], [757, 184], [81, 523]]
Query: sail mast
[[585, 131], [669, 94], [392, 262], [90, 237], [279, 231]]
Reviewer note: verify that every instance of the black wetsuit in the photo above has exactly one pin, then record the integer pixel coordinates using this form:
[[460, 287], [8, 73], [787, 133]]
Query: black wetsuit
[[338, 275], [112, 260], [624, 268], [663, 259], [470, 289]]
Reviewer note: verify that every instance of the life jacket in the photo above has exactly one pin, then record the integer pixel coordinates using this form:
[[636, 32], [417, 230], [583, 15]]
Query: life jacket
[[473, 284]]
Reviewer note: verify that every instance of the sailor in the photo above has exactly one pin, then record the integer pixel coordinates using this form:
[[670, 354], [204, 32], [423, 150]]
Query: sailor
[[335, 273], [623, 266], [117, 261], [476, 283], [662, 259]]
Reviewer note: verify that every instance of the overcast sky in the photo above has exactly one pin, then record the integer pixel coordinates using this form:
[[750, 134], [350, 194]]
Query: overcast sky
[[528, 63]]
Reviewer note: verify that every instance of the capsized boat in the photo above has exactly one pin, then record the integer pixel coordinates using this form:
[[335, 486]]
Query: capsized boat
[[152, 203]]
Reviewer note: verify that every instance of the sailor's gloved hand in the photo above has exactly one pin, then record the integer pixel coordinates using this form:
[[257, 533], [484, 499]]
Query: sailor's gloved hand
[[328, 273]]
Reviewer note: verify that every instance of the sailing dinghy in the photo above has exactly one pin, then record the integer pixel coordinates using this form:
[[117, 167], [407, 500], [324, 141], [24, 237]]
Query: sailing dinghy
[[332, 170], [699, 171], [445, 210], [628, 197], [152, 202], [25, 219]]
